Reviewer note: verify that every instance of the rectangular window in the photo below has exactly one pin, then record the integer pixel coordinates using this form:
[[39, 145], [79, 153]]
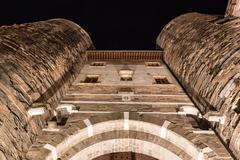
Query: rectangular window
[[126, 79], [153, 64], [161, 80], [91, 79], [98, 64], [125, 89], [126, 75]]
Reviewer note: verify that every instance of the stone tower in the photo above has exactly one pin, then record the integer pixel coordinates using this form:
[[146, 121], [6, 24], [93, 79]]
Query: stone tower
[[60, 99]]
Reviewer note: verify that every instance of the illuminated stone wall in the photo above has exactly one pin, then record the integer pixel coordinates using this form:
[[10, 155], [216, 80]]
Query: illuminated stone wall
[[203, 53], [37, 62]]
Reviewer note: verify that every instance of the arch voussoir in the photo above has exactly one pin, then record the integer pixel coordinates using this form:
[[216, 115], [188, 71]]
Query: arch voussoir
[[97, 134]]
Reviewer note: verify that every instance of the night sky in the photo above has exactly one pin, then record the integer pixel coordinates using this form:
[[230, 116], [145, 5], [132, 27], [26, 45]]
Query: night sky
[[112, 24]]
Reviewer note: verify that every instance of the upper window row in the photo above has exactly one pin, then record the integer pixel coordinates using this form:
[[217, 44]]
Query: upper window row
[[126, 77], [98, 63], [153, 64]]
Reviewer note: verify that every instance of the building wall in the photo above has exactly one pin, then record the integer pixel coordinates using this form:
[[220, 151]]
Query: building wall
[[203, 53], [158, 120], [107, 94], [142, 74], [37, 63]]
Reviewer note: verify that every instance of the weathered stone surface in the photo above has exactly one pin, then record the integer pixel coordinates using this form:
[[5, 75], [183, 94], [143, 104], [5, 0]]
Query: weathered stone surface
[[124, 155], [159, 121], [37, 62], [203, 53], [179, 125], [233, 8]]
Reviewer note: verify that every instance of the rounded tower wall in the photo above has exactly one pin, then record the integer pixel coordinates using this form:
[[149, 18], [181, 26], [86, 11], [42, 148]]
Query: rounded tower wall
[[203, 53], [37, 63]]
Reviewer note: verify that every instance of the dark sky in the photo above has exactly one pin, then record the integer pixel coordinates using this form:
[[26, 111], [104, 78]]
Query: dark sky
[[112, 24]]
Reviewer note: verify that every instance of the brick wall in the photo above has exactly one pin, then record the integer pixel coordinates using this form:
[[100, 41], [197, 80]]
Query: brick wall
[[203, 53], [37, 62]]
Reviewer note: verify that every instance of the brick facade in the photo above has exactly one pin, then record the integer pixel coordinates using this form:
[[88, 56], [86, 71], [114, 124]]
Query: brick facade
[[36, 65], [203, 53], [61, 100]]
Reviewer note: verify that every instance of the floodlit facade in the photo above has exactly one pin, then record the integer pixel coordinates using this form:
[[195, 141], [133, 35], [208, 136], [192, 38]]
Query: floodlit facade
[[61, 99]]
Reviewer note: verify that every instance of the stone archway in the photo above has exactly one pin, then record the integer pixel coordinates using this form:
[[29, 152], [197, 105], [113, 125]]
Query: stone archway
[[118, 129], [125, 145], [100, 135], [124, 156], [124, 136]]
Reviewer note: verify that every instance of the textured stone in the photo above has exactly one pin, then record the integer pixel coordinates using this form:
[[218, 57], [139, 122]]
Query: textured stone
[[183, 136], [233, 8], [203, 53], [45, 63], [159, 120], [124, 155], [37, 62]]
